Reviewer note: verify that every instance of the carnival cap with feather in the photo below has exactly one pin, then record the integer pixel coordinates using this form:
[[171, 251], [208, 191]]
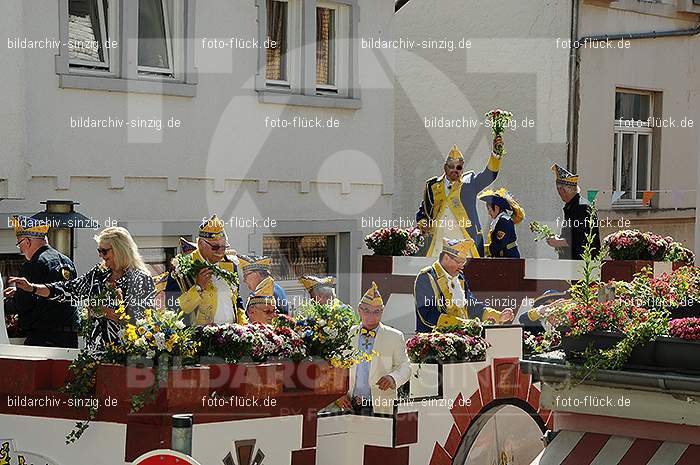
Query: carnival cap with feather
[[505, 201]]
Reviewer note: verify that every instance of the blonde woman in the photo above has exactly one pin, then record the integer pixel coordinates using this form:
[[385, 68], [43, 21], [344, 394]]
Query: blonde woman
[[121, 268]]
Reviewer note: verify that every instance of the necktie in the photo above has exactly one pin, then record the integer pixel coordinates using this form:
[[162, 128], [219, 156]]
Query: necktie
[[449, 186], [369, 333]]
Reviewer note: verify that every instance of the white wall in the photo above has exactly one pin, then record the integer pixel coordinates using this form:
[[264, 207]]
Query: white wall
[[514, 63], [223, 159], [666, 65], [12, 105]]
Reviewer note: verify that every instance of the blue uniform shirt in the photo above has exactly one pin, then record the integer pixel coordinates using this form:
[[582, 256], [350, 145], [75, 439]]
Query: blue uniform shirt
[[362, 387]]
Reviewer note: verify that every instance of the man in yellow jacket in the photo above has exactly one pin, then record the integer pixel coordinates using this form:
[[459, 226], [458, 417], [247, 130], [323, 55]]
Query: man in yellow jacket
[[207, 298]]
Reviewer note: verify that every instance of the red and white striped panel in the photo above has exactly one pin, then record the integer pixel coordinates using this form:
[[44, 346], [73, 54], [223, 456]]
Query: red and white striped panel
[[576, 448]]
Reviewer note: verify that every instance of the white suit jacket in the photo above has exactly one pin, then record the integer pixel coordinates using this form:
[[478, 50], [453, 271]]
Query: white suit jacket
[[392, 360]]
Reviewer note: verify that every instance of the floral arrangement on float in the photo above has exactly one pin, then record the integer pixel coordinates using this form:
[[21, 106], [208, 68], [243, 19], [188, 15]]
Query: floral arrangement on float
[[395, 241], [619, 325], [160, 340], [632, 244], [685, 328], [449, 344], [535, 344], [234, 343]]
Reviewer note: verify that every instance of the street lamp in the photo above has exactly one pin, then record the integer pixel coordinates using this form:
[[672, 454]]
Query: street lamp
[[63, 219]]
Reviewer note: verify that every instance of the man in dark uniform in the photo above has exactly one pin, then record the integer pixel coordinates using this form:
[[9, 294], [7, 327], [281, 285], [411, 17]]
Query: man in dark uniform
[[44, 322], [577, 218]]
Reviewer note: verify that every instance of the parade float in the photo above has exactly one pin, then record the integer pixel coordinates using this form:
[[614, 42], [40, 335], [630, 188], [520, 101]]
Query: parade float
[[260, 395]]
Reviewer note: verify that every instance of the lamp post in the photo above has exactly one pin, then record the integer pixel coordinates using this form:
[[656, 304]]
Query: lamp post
[[63, 219]]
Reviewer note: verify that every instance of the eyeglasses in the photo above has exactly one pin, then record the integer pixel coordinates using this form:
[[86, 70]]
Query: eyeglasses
[[20, 241], [371, 312], [216, 247], [103, 252], [453, 167]]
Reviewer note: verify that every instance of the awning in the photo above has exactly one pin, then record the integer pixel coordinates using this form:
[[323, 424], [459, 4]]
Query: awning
[[576, 448]]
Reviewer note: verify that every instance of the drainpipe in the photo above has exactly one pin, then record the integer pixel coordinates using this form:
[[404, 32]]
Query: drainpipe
[[572, 117], [697, 206]]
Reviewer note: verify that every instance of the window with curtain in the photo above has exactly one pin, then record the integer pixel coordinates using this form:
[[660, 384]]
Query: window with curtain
[[632, 144], [325, 47], [87, 33], [155, 39], [276, 66], [296, 256]]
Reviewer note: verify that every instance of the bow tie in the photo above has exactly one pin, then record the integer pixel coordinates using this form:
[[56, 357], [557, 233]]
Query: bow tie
[[368, 333]]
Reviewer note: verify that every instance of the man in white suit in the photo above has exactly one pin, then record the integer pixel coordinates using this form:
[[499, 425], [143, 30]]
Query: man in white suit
[[374, 385]]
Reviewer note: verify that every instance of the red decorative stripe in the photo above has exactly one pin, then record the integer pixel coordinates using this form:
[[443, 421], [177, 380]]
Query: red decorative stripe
[[586, 450], [640, 452], [440, 456], [460, 413], [485, 385], [453, 441], [691, 456], [406, 428], [304, 457], [376, 455]]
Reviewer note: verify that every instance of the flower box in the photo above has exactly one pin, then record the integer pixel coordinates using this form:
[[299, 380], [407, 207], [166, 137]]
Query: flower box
[[249, 380], [574, 346], [184, 390], [25, 377], [623, 270], [318, 377], [678, 355]]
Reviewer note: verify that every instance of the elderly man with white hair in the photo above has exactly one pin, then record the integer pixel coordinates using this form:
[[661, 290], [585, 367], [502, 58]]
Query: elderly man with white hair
[[578, 216]]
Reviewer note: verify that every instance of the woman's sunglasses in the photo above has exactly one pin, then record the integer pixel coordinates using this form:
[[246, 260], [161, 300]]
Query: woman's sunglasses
[[103, 252]]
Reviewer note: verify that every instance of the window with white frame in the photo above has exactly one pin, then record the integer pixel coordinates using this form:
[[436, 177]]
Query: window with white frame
[[88, 32], [632, 147], [147, 43], [287, 65], [277, 65], [155, 37]]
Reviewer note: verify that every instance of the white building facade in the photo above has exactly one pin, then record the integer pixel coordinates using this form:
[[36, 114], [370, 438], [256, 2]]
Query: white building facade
[[267, 113]]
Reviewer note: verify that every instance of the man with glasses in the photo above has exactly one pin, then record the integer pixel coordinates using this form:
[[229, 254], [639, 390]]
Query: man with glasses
[[442, 293], [374, 385], [45, 322], [206, 298], [448, 209]]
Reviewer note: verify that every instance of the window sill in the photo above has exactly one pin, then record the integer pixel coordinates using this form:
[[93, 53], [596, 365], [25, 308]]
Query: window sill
[[285, 98], [140, 86], [630, 206]]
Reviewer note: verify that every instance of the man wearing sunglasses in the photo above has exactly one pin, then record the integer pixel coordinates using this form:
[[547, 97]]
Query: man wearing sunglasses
[[448, 208], [45, 322], [206, 298]]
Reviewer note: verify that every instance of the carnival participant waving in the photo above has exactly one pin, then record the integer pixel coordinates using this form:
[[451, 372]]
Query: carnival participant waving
[[448, 209], [120, 280], [204, 283], [44, 322], [505, 213], [442, 293], [374, 384]]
